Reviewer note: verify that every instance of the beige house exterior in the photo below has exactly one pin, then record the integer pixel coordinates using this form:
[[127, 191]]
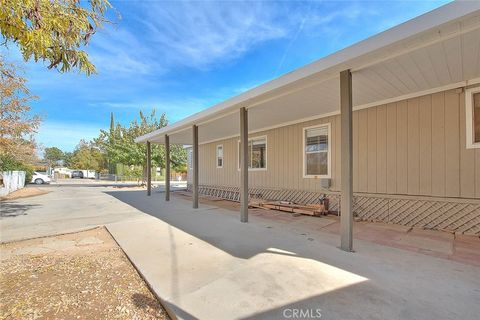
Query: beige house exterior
[[413, 147], [413, 151], [415, 96]]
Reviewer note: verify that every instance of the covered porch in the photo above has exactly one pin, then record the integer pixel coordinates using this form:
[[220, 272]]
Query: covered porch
[[432, 53], [205, 264]]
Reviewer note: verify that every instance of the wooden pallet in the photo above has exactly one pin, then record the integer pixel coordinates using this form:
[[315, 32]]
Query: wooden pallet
[[308, 209]]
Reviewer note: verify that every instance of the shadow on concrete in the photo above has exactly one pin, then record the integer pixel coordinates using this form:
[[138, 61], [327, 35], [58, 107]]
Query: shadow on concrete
[[222, 229], [213, 227], [10, 209], [374, 297]]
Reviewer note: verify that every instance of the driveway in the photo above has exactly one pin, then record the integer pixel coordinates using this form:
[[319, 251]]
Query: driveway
[[70, 206], [64, 209], [205, 264]]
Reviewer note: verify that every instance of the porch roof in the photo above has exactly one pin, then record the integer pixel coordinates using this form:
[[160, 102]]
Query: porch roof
[[435, 51]]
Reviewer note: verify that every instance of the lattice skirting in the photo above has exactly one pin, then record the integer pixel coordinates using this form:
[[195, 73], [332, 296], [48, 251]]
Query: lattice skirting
[[453, 215]]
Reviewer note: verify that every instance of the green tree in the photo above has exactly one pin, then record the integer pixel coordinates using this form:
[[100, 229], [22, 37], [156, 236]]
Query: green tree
[[53, 155], [120, 147], [87, 157], [178, 158], [53, 30], [67, 158]]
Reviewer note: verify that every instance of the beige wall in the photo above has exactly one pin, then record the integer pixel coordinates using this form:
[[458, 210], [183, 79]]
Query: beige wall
[[414, 147]]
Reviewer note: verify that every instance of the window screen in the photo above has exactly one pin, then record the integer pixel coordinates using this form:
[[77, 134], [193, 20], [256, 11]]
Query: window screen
[[257, 153], [220, 156], [316, 151]]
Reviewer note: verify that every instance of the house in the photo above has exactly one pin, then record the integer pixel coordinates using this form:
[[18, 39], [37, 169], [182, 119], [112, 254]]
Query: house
[[388, 129]]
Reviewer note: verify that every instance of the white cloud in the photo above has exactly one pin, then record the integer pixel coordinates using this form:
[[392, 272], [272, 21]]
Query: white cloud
[[197, 34], [118, 51], [162, 36]]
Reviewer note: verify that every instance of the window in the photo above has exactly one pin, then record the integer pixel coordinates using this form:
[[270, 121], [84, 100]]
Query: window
[[190, 158], [220, 156], [472, 99], [257, 153], [316, 153], [476, 117]]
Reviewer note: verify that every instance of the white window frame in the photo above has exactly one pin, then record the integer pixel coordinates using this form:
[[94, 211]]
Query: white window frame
[[329, 155], [266, 153], [217, 157], [469, 126]]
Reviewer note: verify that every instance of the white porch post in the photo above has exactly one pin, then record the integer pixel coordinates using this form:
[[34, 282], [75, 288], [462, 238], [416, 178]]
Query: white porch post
[[243, 165], [167, 168], [195, 166], [346, 204], [149, 169]]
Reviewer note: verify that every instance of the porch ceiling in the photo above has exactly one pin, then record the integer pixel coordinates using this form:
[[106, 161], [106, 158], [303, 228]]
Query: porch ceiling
[[436, 50]]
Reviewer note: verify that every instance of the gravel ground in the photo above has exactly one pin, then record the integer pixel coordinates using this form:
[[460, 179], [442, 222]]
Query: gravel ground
[[83, 275]]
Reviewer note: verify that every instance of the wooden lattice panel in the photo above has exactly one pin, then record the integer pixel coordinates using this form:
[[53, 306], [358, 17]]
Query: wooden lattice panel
[[437, 214], [461, 216]]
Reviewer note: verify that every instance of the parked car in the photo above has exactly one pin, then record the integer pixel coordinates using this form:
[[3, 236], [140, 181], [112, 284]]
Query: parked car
[[40, 178], [77, 174]]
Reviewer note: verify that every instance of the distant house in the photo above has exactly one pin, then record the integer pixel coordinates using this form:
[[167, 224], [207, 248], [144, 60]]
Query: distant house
[[415, 91]]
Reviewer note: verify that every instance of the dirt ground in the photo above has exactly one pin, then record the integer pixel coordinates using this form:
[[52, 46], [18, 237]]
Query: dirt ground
[[24, 193], [83, 275]]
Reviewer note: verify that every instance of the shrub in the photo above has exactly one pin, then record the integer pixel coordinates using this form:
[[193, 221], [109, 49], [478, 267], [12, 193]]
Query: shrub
[[181, 168], [134, 173], [9, 163]]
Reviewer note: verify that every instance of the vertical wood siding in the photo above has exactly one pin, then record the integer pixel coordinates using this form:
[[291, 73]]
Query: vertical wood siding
[[411, 147]]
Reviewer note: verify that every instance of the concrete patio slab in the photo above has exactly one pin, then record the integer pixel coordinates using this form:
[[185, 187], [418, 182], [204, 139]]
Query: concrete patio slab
[[430, 242], [205, 264]]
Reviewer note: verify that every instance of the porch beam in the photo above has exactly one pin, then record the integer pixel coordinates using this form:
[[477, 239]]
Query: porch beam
[[195, 166], [149, 169], [167, 168], [243, 165], [346, 202]]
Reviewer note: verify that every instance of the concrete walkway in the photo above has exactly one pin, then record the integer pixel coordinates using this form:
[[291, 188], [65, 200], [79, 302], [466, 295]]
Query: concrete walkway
[[205, 264]]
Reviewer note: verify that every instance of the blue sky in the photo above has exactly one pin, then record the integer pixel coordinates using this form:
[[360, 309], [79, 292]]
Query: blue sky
[[183, 57]]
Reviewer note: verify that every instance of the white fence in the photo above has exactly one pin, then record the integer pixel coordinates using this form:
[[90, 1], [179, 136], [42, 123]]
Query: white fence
[[12, 180]]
